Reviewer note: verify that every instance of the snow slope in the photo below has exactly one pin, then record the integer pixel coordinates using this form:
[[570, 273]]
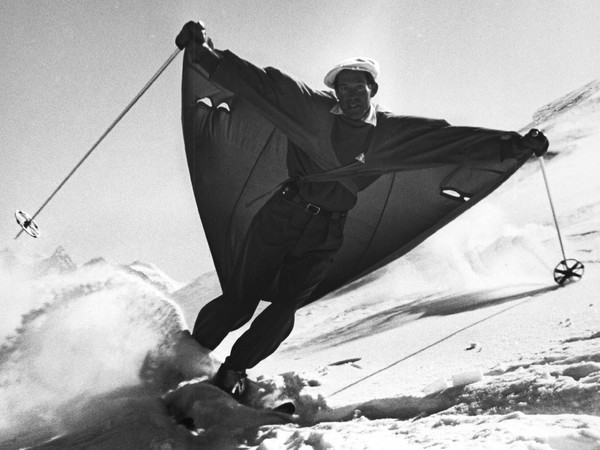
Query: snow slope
[[85, 348]]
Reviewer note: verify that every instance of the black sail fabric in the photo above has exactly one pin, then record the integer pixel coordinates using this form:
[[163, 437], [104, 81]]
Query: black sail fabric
[[237, 159]]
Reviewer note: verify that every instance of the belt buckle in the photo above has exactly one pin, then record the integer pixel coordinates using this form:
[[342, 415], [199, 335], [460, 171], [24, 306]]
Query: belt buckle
[[313, 209]]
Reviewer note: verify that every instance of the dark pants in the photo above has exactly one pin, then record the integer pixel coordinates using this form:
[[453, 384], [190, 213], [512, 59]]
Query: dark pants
[[286, 240]]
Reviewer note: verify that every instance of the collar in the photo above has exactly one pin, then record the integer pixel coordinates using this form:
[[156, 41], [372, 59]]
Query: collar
[[370, 118]]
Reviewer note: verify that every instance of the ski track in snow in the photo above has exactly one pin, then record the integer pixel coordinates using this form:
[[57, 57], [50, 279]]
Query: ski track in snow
[[475, 298]]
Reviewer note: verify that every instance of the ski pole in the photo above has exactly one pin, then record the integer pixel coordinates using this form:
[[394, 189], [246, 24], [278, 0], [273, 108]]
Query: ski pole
[[543, 167], [568, 270], [101, 138]]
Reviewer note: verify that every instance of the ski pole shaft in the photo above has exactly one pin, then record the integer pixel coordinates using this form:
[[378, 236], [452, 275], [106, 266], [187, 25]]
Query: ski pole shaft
[[108, 130], [543, 167]]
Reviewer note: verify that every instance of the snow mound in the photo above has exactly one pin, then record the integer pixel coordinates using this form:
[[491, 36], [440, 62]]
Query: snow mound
[[549, 402]]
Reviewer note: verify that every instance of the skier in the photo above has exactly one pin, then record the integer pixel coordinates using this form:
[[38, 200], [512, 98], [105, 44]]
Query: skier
[[297, 233]]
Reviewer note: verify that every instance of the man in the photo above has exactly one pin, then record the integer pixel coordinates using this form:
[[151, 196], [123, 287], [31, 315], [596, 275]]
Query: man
[[337, 146]]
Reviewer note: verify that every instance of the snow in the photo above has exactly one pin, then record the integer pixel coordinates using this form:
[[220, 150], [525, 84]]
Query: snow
[[155, 276], [465, 343]]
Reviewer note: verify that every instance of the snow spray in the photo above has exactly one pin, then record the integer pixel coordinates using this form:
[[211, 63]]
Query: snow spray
[[77, 335]]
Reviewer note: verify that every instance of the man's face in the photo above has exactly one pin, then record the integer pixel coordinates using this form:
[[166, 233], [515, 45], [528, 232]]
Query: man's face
[[354, 93]]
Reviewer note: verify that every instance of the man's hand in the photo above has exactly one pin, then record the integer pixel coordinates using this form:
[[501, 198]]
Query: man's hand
[[191, 31], [535, 141]]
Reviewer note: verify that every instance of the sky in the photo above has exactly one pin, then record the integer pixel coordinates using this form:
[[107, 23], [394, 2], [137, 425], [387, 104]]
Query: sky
[[70, 67]]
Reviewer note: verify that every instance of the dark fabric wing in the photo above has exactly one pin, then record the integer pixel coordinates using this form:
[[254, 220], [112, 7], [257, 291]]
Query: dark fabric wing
[[402, 209], [237, 159]]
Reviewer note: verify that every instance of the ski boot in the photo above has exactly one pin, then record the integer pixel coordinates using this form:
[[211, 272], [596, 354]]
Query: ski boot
[[230, 380]]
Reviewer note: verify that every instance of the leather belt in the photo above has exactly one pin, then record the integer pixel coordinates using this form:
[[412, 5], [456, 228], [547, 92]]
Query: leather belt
[[289, 192]]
